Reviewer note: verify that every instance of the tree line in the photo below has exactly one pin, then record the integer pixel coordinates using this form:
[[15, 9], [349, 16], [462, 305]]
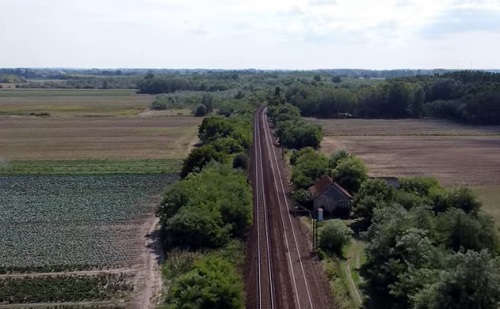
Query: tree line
[[205, 216], [466, 96]]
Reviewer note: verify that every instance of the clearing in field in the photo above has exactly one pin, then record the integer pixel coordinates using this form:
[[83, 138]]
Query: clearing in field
[[455, 154]]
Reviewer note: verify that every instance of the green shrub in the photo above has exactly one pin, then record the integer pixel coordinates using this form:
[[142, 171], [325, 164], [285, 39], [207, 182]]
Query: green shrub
[[240, 161], [334, 235], [213, 283]]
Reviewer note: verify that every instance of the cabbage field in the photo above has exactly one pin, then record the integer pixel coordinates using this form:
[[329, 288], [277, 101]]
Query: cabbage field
[[56, 223]]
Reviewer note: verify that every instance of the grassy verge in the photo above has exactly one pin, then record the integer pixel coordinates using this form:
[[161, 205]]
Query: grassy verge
[[343, 275], [90, 167], [490, 196], [338, 280]]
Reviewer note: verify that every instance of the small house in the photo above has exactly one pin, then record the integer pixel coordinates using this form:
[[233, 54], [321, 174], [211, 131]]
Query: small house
[[330, 196]]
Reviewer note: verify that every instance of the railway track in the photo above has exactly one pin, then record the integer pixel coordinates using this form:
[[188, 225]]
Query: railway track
[[280, 270], [265, 284]]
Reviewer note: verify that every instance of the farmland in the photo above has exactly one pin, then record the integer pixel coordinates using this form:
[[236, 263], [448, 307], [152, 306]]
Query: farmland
[[39, 229], [73, 102], [60, 138], [455, 154], [81, 172]]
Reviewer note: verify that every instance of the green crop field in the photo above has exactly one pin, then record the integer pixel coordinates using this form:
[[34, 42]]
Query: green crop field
[[90, 167], [81, 172], [74, 222], [67, 288]]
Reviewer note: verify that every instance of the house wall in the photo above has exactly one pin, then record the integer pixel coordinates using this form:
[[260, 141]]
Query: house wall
[[332, 201]]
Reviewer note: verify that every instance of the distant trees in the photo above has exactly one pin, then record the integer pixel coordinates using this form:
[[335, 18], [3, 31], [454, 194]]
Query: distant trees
[[471, 97], [291, 130]]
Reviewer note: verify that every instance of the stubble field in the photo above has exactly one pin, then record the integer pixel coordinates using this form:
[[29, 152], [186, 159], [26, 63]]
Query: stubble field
[[453, 153]]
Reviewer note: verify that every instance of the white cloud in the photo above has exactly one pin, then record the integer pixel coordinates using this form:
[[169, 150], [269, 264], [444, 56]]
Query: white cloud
[[238, 33]]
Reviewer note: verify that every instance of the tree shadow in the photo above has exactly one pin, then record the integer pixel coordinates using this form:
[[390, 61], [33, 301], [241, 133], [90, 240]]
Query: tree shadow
[[155, 246]]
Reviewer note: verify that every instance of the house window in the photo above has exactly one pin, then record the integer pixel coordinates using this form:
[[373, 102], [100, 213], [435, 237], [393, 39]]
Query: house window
[[343, 204]]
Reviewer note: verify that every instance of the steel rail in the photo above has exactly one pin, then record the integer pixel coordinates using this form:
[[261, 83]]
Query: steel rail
[[275, 167], [261, 189]]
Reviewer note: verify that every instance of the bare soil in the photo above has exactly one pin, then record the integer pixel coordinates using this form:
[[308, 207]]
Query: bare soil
[[455, 154]]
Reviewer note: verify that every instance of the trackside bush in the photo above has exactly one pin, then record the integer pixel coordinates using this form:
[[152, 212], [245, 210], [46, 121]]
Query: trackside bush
[[334, 235], [213, 283]]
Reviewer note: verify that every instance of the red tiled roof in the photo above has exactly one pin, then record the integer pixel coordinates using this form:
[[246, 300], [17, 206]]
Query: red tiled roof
[[320, 186], [324, 183]]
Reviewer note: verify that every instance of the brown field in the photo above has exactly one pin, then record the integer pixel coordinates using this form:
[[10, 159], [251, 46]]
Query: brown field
[[455, 154], [58, 138]]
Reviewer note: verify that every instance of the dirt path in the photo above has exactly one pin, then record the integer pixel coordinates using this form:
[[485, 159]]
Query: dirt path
[[110, 304], [353, 287], [65, 273], [148, 281]]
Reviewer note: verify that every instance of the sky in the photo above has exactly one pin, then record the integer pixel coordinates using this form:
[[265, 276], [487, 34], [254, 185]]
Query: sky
[[241, 34]]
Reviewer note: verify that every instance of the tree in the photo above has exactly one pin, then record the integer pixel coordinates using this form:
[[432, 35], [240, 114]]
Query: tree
[[219, 194], [372, 193], [297, 134], [350, 173], [336, 79], [416, 106], [207, 99], [308, 168], [459, 231], [471, 281], [464, 199], [443, 89], [338, 156], [196, 227], [334, 235], [213, 283], [199, 157], [200, 110], [213, 128], [240, 161]]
